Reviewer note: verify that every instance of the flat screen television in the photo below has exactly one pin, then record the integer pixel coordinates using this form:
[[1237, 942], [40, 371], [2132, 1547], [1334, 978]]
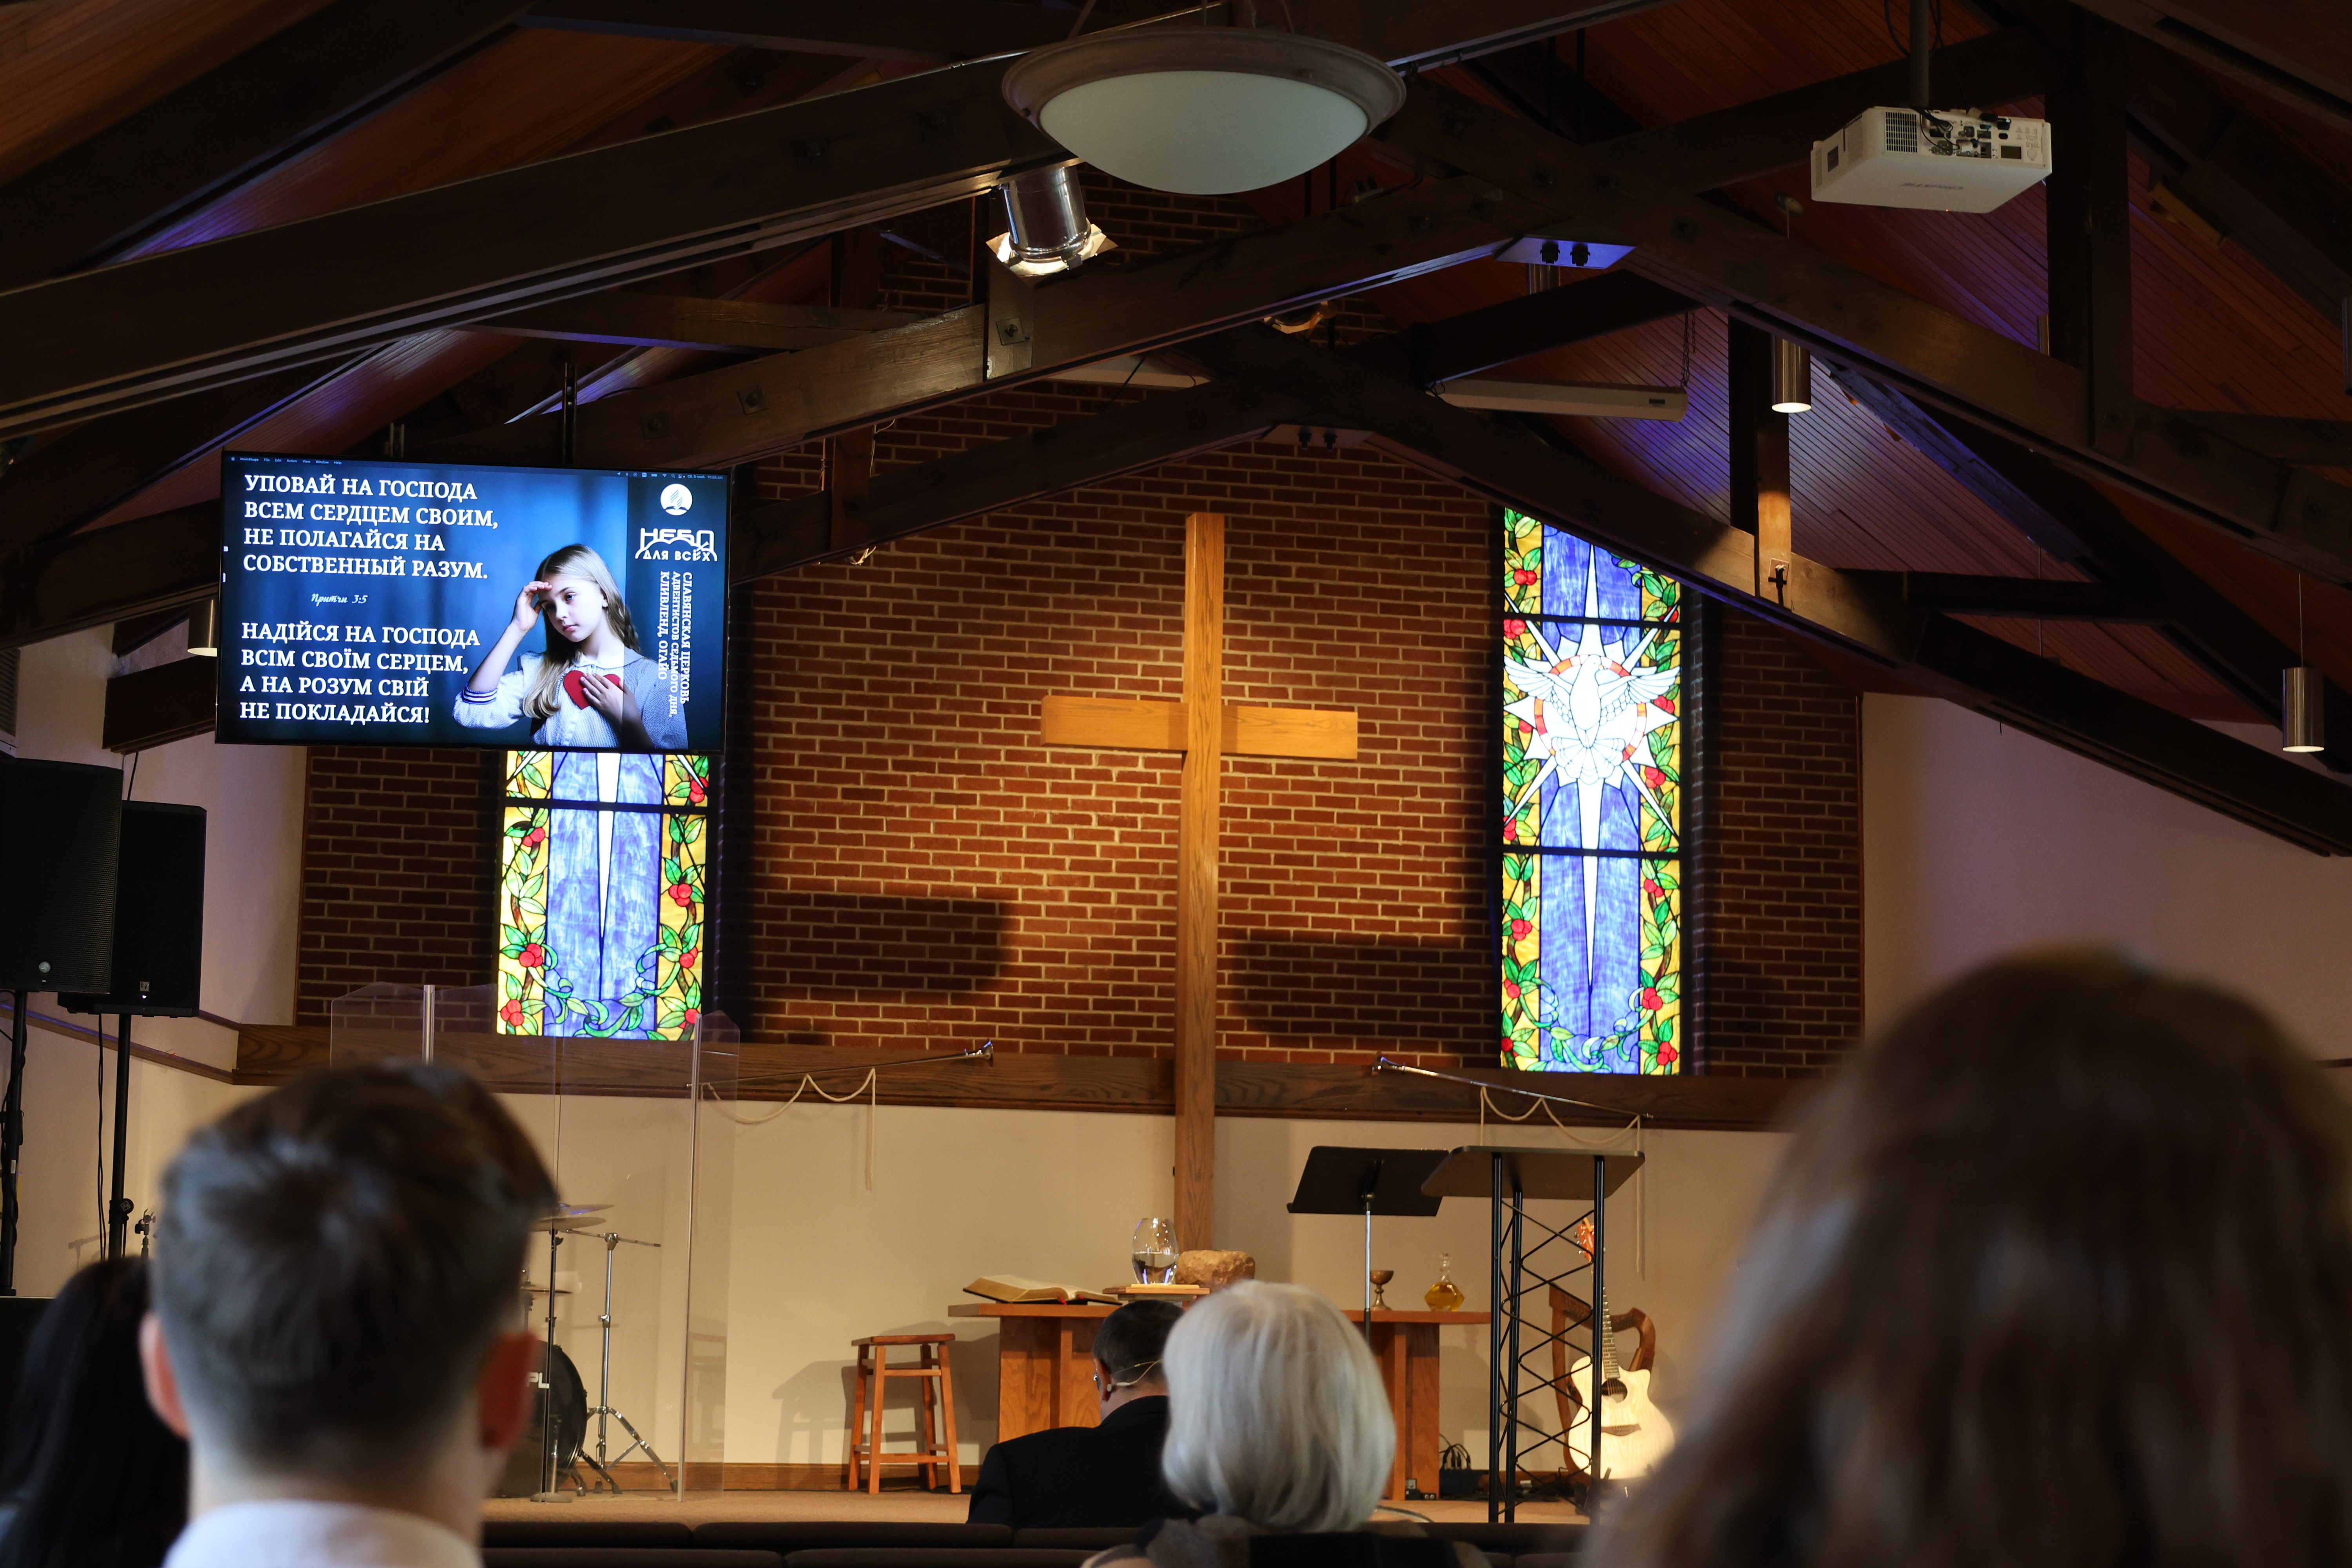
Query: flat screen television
[[379, 602]]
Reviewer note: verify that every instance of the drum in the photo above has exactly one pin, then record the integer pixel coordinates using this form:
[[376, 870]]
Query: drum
[[559, 1400]]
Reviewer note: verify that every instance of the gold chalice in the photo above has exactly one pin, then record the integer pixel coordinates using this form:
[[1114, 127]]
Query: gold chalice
[[1380, 1278]]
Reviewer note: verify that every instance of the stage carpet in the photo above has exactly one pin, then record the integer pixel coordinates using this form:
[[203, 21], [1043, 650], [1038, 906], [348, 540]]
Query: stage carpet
[[892, 1505]]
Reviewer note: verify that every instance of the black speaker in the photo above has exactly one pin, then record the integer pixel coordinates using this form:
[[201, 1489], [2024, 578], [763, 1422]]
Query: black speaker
[[159, 915], [60, 828]]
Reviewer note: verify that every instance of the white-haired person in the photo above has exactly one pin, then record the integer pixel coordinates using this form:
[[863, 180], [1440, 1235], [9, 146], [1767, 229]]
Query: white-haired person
[[1279, 1432]]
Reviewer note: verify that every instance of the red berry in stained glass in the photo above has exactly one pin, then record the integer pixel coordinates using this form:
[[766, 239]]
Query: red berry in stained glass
[[1519, 930], [1651, 999], [531, 956]]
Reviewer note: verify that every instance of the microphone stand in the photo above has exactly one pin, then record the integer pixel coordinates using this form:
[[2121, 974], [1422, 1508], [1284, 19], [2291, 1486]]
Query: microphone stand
[[118, 1212]]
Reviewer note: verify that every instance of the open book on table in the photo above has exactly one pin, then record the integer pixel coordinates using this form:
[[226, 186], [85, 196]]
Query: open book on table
[[1013, 1289]]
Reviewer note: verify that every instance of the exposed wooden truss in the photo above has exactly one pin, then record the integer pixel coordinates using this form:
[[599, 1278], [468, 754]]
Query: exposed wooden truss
[[2297, 51], [291, 92], [1850, 318], [1268, 376]]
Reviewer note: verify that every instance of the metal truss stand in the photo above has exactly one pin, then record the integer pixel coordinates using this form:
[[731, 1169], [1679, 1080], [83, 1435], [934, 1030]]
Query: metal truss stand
[[1522, 1278]]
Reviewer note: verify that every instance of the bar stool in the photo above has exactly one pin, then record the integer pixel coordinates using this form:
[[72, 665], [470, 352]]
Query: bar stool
[[938, 1381]]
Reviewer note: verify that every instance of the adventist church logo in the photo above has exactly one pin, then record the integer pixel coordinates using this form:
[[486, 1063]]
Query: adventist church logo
[[677, 500], [676, 545]]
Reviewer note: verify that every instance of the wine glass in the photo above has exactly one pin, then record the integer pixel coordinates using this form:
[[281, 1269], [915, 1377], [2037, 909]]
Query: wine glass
[[1380, 1278], [1154, 1252]]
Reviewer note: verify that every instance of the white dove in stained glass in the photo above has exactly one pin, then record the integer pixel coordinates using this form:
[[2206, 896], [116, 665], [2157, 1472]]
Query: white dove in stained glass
[[1588, 713]]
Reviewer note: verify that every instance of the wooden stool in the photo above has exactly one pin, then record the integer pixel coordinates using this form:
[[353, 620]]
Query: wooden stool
[[875, 1372]]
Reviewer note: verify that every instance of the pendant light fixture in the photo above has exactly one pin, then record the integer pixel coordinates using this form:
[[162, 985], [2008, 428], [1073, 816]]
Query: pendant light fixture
[[2303, 695], [204, 629], [1792, 377], [1204, 110]]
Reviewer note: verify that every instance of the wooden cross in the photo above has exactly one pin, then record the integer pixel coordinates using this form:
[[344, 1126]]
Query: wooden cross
[[1206, 731]]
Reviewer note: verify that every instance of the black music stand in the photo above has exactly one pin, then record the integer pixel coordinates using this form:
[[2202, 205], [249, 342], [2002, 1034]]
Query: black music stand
[[1508, 1177], [1368, 1182]]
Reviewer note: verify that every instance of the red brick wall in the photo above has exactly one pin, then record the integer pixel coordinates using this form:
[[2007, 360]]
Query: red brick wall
[[1777, 935], [925, 873], [398, 872], [929, 873]]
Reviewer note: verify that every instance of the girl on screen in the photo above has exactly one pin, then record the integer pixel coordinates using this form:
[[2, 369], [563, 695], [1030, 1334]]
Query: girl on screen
[[592, 689]]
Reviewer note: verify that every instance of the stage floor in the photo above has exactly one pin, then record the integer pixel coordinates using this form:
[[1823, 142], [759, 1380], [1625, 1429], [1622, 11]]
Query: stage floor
[[938, 1508]]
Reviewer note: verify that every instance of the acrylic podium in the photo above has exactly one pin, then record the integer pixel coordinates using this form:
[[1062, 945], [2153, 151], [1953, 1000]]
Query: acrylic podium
[[1509, 1178]]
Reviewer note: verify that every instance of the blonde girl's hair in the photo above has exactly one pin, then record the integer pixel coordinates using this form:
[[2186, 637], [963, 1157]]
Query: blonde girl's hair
[[1275, 1412], [546, 691]]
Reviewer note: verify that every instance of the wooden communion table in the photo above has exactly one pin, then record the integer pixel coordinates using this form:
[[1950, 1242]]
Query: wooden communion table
[[1044, 1365]]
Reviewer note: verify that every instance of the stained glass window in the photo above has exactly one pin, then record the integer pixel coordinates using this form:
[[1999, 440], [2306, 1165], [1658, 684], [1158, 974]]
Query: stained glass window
[[601, 905], [1591, 653]]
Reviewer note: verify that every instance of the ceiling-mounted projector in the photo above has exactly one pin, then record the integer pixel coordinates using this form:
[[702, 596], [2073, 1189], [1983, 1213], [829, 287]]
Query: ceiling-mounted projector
[[1962, 160]]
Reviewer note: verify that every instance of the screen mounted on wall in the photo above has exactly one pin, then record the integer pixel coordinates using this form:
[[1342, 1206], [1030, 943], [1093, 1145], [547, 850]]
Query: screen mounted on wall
[[380, 603]]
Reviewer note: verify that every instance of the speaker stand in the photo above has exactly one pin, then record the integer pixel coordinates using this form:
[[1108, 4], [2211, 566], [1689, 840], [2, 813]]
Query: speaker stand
[[118, 1212], [12, 1143]]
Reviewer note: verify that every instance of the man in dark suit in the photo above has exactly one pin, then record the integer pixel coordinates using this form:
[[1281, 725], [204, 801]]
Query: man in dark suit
[[1106, 1475]]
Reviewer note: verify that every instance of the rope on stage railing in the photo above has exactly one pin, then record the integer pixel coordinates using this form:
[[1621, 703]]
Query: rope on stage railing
[[1542, 1102], [870, 1087]]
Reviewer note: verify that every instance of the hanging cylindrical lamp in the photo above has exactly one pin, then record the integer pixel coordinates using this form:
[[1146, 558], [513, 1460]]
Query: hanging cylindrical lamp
[[2303, 710], [1049, 232], [1202, 111], [204, 629], [1792, 377]]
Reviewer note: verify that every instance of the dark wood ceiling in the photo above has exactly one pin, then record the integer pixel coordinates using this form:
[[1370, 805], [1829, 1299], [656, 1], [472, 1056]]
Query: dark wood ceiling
[[2217, 322]]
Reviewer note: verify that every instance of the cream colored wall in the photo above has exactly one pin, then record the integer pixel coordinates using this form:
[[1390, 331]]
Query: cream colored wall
[[819, 1259], [252, 796], [253, 799], [1977, 840]]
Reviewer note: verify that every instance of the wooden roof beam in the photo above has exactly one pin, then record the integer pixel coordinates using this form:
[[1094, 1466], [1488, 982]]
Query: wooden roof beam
[[692, 322], [487, 247], [2019, 598], [1852, 319], [908, 501], [2052, 506], [325, 286], [932, 31], [2298, 52], [738, 411], [2305, 443], [295, 89], [1941, 655]]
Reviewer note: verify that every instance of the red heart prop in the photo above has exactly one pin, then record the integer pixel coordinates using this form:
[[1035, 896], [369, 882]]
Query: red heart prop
[[573, 689]]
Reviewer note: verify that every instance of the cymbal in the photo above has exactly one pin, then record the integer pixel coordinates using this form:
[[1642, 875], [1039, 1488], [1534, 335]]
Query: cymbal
[[543, 1290], [581, 1208], [566, 1221]]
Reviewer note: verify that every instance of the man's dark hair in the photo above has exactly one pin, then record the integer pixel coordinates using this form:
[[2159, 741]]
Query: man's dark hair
[[335, 1261], [1130, 1340]]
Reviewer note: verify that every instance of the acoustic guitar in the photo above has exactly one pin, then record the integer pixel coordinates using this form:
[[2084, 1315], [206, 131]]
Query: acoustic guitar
[[1635, 1434]]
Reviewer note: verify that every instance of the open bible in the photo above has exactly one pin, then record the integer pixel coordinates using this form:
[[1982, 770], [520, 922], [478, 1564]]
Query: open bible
[[1013, 1288]]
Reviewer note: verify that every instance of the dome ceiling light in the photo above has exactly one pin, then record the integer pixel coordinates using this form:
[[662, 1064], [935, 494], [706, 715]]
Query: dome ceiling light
[[1202, 111]]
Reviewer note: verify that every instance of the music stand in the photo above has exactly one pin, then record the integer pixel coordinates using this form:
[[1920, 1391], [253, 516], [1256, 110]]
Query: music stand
[[1507, 1178], [1368, 1182]]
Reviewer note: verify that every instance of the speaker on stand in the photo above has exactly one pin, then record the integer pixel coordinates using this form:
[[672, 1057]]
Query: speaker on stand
[[59, 826], [158, 954]]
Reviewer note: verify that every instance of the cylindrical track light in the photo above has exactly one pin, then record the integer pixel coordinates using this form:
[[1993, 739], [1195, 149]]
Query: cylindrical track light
[[1049, 228], [1792, 377], [2303, 710], [204, 629]]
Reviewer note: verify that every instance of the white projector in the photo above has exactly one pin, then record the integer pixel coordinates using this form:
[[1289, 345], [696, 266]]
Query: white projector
[[1962, 160]]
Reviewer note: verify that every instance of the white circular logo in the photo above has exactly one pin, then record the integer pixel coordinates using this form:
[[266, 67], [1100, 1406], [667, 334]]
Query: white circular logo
[[676, 500]]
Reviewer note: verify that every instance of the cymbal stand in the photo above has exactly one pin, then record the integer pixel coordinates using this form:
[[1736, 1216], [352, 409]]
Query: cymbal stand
[[550, 1441], [603, 1407]]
